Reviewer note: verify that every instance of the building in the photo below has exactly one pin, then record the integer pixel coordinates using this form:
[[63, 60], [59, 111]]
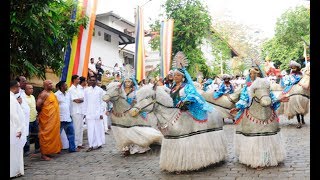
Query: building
[[113, 40]]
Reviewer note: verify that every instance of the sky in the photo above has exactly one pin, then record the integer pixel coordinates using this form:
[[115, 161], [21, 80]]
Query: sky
[[261, 14]]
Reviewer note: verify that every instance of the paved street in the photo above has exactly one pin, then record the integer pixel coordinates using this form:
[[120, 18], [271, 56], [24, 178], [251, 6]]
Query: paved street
[[107, 163]]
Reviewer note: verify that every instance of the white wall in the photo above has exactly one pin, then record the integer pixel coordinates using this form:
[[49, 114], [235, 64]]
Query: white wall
[[108, 51], [116, 23], [153, 58]]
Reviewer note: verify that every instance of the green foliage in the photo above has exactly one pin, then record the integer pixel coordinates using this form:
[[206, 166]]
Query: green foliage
[[192, 24], [220, 51], [287, 44], [39, 31], [155, 43], [155, 72]]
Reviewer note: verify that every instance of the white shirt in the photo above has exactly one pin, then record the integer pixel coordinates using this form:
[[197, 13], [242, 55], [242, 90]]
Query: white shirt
[[213, 86], [93, 108], [64, 106], [116, 69], [76, 93], [17, 123], [81, 90], [26, 109], [92, 66]]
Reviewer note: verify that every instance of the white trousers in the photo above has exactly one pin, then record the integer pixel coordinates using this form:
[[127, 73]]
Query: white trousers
[[106, 122], [96, 136], [16, 160], [78, 128], [64, 140]]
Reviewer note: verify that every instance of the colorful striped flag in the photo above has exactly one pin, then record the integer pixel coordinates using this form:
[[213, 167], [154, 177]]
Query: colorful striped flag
[[77, 54], [166, 34], [139, 56], [305, 52]]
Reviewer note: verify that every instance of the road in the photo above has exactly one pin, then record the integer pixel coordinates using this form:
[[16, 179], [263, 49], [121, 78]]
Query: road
[[108, 163]]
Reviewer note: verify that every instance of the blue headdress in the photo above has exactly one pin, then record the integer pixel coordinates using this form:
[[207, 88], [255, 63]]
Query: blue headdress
[[128, 73], [198, 107]]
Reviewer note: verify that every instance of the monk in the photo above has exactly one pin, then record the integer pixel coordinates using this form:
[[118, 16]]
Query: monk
[[49, 122]]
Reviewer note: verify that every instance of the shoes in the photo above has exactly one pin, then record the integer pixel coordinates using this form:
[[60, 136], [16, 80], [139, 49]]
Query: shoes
[[26, 154], [76, 150], [81, 147], [99, 147], [37, 151], [89, 149]]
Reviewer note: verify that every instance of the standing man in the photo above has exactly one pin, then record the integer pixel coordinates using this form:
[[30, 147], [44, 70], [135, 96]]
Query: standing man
[[49, 121], [93, 113], [65, 117], [17, 126], [107, 106], [21, 96], [33, 124], [77, 96], [92, 70]]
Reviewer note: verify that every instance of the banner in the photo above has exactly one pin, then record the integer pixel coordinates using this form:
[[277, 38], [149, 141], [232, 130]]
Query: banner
[[166, 34], [139, 56], [77, 54]]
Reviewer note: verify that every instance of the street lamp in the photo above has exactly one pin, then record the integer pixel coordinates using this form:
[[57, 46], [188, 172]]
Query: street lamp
[[145, 3]]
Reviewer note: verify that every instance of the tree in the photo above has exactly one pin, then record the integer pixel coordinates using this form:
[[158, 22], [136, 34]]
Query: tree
[[221, 52], [39, 31], [291, 29], [192, 23]]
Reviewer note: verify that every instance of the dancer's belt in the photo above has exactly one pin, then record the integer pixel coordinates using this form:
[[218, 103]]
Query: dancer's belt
[[259, 134], [192, 133], [124, 126]]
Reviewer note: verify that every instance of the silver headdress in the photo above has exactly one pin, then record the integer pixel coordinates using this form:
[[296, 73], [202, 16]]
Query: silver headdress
[[179, 61], [128, 72]]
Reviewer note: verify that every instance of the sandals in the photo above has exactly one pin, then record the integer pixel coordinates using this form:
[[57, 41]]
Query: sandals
[[89, 149], [45, 158], [299, 126]]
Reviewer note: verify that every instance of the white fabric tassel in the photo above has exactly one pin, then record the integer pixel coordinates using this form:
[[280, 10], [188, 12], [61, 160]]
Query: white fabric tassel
[[259, 151], [141, 136], [194, 152]]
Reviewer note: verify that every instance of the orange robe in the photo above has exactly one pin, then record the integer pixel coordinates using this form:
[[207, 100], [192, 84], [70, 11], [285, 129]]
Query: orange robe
[[49, 126]]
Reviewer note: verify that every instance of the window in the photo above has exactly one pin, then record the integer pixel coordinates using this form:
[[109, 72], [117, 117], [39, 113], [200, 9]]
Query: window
[[107, 37]]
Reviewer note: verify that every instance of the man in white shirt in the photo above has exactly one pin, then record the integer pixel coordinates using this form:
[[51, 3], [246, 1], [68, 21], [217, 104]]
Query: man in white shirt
[[82, 86], [65, 117], [77, 96], [92, 70], [93, 113], [107, 106], [17, 126], [21, 97]]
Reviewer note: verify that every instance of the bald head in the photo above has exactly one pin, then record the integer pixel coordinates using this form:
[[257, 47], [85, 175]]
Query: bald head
[[48, 85]]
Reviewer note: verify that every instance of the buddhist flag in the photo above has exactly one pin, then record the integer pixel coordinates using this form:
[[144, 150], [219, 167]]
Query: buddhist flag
[[77, 54], [139, 56], [305, 52], [166, 34]]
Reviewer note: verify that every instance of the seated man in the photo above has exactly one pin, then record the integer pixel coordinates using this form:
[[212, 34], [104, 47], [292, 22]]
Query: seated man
[[293, 78], [225, 87], [207, 84]]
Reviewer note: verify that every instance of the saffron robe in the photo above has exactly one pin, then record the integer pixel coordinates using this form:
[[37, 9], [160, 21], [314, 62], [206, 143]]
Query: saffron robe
[[49, 126]]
